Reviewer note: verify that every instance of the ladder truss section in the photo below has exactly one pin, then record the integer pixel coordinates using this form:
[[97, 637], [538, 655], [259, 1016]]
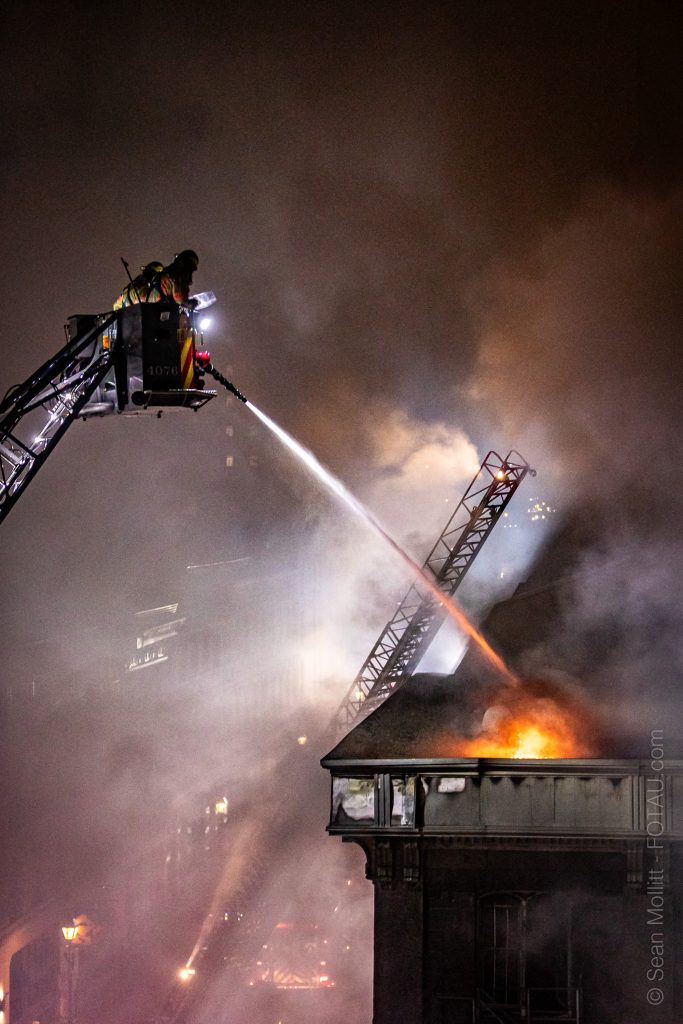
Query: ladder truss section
[[406, 636], [35, 415]]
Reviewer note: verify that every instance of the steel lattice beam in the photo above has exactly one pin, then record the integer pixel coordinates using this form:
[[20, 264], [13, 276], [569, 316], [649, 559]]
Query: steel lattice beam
[[35, 415], [413, 626]]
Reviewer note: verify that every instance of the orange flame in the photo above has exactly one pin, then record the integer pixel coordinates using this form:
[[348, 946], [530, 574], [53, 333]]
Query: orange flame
[[534, 725]]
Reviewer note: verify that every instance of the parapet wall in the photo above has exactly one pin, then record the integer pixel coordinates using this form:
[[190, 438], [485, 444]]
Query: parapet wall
[[562, 797]]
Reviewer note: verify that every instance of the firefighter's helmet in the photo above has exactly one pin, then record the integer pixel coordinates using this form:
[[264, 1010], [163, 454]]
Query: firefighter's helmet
[[187, 258], [151, 270]]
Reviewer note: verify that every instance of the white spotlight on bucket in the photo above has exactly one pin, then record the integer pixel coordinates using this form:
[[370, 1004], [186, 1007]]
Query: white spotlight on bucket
[[204, 323]]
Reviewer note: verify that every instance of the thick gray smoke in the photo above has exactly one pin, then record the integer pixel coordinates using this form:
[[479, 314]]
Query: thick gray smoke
[[432, 231]]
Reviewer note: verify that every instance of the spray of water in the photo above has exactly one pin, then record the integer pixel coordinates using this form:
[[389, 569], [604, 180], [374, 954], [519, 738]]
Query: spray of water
[[337, 487]]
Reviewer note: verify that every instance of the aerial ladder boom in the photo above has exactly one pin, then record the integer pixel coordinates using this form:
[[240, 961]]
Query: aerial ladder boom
[[141, 358], [418, 618]]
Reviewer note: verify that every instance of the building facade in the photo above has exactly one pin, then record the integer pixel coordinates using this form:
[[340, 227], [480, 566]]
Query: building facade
[[511, 890]]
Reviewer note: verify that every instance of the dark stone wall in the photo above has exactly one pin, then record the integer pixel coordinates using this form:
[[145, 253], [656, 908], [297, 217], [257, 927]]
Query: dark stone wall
[[572, 912], [398, 954]]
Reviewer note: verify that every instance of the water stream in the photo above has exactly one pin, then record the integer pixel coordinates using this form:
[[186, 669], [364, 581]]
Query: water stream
[[333, 484]]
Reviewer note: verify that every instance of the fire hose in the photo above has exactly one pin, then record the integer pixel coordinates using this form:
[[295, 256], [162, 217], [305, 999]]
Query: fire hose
[[204, 365]]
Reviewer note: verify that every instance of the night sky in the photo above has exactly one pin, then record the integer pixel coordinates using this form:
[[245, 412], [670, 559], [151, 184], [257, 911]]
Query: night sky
[[469, 217], [432, 229]]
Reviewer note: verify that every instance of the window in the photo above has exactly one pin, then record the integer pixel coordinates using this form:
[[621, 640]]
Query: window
[[500, 930], [353, 800], [403, 800]]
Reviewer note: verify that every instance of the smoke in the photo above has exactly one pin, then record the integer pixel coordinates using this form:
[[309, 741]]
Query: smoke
[[579, 357], [431, 233], [617, 627], [419, 470], [579, 351]]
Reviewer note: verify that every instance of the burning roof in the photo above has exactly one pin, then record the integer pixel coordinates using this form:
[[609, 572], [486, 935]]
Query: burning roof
[[564, 704], [455, 716]]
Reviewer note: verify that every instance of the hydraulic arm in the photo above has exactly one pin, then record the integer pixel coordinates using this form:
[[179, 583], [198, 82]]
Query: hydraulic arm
[[130, 361], [34, 415]]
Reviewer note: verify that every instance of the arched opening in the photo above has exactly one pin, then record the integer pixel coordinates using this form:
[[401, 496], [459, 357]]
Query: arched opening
[[33, 983]]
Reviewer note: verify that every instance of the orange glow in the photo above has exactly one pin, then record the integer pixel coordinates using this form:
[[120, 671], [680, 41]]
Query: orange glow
[[524, 740], [534, 723], [469, 629], [534, 743]]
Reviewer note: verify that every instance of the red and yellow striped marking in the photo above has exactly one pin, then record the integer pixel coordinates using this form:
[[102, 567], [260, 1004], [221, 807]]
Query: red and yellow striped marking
[[186, 342]]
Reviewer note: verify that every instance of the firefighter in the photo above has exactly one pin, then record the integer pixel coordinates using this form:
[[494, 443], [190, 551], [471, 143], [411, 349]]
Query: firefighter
[[139, 288], [150, 271], [173, 282]]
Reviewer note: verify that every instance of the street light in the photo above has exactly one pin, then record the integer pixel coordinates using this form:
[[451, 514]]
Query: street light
[[68, 1005]]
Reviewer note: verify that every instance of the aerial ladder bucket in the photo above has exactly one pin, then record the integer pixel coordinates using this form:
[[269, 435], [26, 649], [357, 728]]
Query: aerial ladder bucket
[[153, 353]]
